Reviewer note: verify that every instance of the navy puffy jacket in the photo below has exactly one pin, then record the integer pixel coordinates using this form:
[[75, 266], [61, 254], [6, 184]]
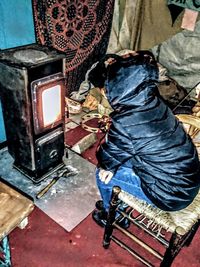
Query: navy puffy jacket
[[145, 133]]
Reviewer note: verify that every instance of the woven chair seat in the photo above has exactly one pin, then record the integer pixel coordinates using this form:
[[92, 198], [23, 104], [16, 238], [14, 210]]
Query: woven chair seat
[[179, 221]]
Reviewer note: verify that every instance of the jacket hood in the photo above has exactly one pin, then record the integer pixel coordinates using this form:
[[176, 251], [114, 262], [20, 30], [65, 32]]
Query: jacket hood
[[131, 86]]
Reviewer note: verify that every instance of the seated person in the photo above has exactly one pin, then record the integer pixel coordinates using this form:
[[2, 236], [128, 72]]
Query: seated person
[[146, 152]]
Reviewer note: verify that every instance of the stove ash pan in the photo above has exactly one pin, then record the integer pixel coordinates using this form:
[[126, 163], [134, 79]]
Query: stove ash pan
[[32, 88]]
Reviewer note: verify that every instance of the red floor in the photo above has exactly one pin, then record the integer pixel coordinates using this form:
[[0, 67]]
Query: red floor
[[43, 243]]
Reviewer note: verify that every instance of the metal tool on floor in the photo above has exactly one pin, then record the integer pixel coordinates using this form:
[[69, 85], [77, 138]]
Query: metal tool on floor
[[64, 172]]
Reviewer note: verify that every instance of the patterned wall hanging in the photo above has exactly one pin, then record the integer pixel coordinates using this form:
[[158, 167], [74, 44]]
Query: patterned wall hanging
[[80, 28]]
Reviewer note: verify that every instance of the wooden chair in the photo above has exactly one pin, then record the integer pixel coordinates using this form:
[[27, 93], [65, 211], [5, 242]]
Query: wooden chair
[[173, 230], [14, 211]]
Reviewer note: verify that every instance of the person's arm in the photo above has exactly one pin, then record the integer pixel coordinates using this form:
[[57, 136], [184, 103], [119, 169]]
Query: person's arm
[[117, 149]]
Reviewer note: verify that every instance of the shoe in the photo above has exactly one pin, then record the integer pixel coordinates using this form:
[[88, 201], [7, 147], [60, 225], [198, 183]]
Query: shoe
[[99, 205], [100, 217]]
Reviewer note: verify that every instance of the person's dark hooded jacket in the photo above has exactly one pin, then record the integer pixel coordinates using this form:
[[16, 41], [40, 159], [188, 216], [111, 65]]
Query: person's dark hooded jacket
[[145, 133]]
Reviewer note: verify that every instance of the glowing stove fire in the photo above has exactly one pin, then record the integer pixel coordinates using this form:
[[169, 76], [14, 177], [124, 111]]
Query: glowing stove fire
[[32, 86], [47, 102], [51, 115]]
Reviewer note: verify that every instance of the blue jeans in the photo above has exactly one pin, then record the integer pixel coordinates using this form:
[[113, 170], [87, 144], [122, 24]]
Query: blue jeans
[[127, 180]]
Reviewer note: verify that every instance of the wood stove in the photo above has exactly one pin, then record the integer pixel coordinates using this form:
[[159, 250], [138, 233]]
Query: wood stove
[[32, 89]]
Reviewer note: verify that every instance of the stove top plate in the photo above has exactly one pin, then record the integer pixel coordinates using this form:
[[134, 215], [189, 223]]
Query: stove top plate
[[30, 55]]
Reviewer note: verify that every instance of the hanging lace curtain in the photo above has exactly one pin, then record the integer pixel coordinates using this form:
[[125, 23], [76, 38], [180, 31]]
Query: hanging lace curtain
[[81, 29]]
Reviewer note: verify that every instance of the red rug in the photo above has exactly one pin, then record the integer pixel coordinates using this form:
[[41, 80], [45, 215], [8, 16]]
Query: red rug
[[44, 244]]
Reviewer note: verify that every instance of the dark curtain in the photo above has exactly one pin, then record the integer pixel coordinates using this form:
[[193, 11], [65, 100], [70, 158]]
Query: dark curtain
[[153, 24], [80, 28]]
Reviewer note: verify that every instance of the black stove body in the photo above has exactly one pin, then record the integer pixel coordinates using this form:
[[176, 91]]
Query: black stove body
[[32, 90]]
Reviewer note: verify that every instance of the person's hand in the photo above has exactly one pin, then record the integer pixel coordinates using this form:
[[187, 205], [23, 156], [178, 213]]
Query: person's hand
[[105, 176]]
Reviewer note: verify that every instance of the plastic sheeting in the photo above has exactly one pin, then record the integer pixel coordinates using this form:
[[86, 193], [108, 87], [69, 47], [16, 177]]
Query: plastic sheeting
[[69, 201], [190, 4], [180, 56]]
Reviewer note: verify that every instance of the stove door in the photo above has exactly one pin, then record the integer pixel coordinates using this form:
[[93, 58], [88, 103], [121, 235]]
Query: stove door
[[48, 102], [49, 150]]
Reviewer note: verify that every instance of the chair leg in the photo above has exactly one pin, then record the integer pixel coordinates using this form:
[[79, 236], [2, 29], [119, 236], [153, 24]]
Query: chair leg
[[175, 244], [111, 216], [192, 233]]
